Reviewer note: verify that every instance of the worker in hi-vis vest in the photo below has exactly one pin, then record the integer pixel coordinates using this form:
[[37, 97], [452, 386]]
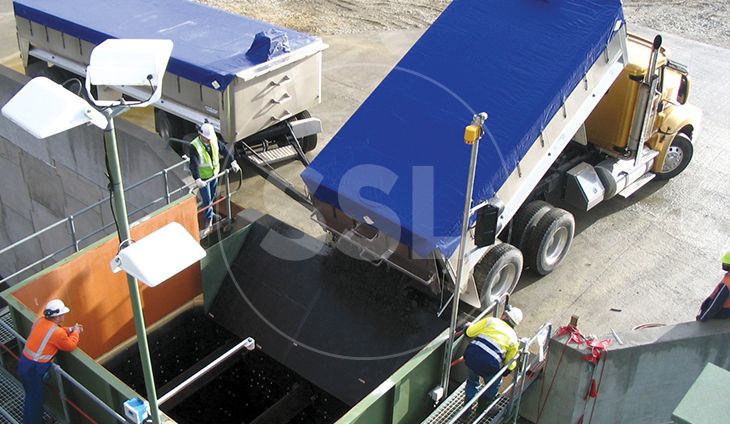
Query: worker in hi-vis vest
[[205, 158], [46, 338], [717, 305], [494, 345]]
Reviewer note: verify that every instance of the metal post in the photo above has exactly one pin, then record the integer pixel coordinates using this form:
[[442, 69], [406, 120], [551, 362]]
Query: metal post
[[446, 371], [62, 394], [167, 187], [514, 404], [72, 228], [228, 195], [120, 211]]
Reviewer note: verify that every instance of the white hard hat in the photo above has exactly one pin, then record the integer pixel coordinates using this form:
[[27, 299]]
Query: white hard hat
[[207, 131], [514, 314], [55, 308]]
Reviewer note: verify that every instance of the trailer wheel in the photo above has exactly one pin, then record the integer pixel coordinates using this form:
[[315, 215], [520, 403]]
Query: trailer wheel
[[526, 220], [498, 272], [309, 142], [550, 241], [170, 126], [678, 157]]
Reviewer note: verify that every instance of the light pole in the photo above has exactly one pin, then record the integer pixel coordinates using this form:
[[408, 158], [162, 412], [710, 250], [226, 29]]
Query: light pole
[[120, 212], [472, 135], [44, 108]]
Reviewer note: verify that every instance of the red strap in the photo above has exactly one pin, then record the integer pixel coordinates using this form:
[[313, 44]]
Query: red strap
[[575, 336], [597, 349]]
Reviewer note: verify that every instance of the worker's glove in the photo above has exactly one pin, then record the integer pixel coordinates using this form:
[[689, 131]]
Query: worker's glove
[[200, 183], [78, 328], [235, 167], [466, 325]]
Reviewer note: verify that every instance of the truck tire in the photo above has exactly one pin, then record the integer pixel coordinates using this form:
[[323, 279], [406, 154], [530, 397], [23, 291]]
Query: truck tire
[[525, 221], [550, 241], [678, 157], [309, 142], [170, 126], [498, 272]]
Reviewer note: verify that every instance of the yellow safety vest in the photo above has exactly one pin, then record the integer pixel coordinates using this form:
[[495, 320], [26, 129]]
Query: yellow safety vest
[[500, 334], [207, 166]]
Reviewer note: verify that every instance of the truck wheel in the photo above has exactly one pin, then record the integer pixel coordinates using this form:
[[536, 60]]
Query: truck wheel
[[525, 221], [550, 241], [678, 157], [309, 142], [170, 126], [498, 272]]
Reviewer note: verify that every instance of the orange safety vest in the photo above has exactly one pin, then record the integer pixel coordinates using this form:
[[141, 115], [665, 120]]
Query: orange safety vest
[[46, 339]]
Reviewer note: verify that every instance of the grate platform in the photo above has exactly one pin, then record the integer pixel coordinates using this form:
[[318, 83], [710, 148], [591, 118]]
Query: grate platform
[[11, 400], [455, 402], [5, 335]]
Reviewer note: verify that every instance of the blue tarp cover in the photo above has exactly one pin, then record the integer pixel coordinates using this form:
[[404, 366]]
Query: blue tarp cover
[[209, 44], [400, 161]]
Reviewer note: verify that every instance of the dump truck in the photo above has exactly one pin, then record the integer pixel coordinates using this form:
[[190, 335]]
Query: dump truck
[[578, 112], [253, 81]]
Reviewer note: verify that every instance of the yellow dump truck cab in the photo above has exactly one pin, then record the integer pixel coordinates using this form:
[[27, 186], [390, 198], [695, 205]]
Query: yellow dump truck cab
[[673, 121]]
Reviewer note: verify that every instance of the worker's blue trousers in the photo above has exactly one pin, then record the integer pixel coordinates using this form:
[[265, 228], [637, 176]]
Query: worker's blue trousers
[[207, 194], [481, 364], [32, 374]]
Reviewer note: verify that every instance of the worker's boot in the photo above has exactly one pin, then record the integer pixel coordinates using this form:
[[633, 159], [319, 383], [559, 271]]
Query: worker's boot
[[207, 229]]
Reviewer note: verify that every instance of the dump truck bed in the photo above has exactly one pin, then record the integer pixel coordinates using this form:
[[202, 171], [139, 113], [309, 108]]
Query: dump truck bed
[[336, 321], [400, 163]]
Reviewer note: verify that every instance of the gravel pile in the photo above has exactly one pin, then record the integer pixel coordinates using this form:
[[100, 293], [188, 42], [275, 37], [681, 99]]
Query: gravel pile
[[705, 21]]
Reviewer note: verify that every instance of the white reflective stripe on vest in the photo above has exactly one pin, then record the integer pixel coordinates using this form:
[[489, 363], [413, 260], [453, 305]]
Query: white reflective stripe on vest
[[488, 346], [37, 355]]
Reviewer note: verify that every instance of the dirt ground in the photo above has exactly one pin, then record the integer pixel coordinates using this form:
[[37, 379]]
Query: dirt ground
[[700, 20]]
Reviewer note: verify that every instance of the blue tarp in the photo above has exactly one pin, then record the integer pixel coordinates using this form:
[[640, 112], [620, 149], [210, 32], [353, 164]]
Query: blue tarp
[[400, 161], [210, 45]]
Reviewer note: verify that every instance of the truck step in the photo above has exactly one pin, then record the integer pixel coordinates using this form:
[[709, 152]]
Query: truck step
[[269, 157], [636, 185]]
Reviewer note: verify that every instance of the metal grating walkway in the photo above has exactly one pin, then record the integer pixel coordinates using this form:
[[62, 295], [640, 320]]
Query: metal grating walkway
[[5, 335], [454, 403]]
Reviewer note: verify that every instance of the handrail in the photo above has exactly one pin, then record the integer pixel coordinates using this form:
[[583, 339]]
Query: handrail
[[522, 361], [76, 239], [248, 344], [73, 381]]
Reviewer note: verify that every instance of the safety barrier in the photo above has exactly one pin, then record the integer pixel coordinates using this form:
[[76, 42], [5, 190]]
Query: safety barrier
[[61, 377], [75, 239]]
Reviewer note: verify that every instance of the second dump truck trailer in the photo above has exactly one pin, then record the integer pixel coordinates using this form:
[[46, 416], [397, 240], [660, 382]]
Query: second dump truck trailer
[[579, 112], [252, 80]]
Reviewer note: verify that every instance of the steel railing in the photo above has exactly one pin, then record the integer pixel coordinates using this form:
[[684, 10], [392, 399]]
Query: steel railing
[[64, 376], [75, 239]]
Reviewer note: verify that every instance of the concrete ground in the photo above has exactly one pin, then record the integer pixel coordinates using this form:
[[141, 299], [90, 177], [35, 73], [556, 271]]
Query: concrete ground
[[651, 258]]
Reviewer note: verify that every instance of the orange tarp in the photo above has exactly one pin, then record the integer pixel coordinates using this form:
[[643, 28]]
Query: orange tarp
[[99, 299]]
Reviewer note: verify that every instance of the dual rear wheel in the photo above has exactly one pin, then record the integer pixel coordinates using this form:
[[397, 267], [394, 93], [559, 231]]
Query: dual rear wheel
[[541, 238]]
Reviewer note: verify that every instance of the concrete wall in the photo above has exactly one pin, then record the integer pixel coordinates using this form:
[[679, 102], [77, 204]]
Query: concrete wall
[[44, 181], [643, 381]]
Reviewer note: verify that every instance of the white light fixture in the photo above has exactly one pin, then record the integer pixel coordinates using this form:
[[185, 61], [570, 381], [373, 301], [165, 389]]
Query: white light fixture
[[44, 108], [160, 255], [132, 62]]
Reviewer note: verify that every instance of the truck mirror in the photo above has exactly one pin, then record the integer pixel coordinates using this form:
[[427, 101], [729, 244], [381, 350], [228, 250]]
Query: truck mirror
[[683, 90]]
